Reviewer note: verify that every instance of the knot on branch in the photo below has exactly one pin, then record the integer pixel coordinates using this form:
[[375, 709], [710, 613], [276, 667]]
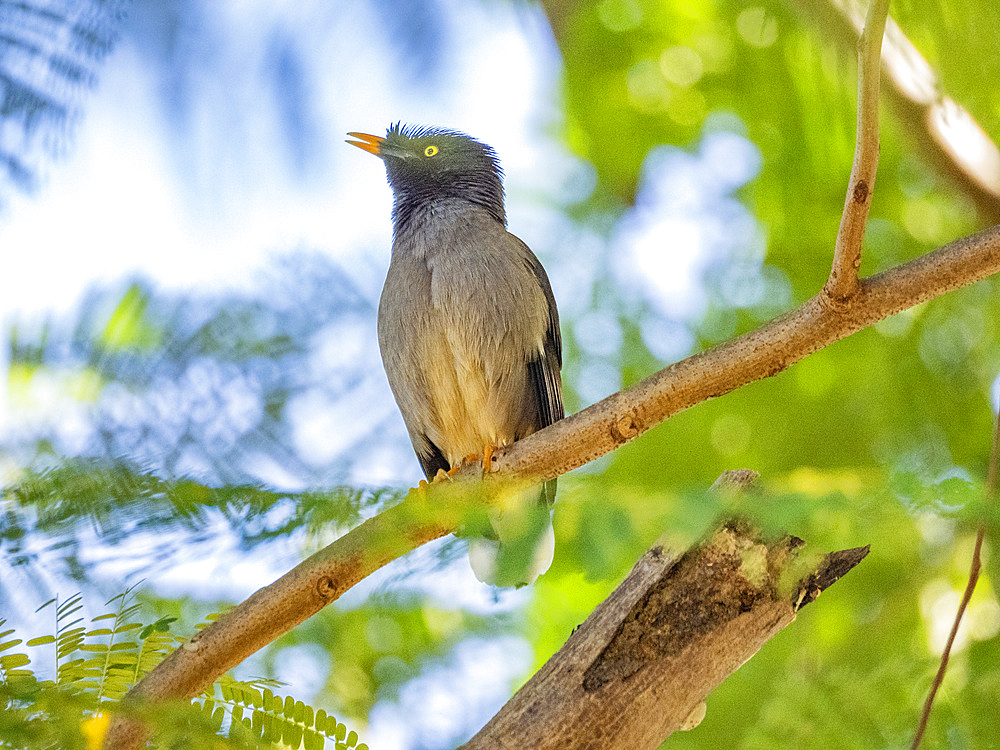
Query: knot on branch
[[860, 193], [326, 588], [625, 429], [839, 303]]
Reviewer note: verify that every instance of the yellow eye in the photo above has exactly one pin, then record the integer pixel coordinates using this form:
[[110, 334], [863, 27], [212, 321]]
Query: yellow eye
[[430, 151]]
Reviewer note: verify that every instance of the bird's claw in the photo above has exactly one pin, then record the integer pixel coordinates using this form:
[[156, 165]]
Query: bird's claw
[[486, 458]]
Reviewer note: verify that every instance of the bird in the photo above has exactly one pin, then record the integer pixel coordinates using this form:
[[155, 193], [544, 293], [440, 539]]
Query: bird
[[468, 330]]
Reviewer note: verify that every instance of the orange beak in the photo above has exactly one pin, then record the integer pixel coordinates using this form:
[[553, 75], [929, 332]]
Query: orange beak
[[370, 143]]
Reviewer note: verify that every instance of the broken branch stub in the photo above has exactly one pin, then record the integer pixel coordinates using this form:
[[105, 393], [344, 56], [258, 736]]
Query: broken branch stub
[[642, 664]]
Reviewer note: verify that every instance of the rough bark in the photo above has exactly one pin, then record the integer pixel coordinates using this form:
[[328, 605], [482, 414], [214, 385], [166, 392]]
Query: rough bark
[[642, 664]]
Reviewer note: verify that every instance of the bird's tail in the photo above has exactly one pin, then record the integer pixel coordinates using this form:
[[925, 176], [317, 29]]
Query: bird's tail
[[523, 543]]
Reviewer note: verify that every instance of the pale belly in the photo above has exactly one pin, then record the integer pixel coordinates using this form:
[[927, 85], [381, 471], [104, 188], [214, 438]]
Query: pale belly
[[467, 410]]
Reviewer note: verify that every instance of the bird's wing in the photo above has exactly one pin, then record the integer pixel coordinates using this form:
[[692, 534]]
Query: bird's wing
[[545, 366], [403, 330], [431, 458]]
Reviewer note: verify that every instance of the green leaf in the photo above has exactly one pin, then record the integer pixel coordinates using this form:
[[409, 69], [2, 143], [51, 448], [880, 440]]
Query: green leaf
[[313, 740], [13, 661], [291, 734]]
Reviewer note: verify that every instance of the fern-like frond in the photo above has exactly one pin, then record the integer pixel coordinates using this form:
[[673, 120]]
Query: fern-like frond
[[116, 659], [96, 666], [258, 714]]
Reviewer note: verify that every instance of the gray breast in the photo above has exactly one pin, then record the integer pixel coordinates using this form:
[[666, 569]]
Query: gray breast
[[461, 315]]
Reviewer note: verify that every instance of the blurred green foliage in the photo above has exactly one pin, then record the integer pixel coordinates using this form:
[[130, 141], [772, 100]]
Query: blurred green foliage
[[121, 502], [873, 440], [880, 439]]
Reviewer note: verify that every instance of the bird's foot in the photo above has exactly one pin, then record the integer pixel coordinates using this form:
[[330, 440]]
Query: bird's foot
[[443, 476], [486, 458]]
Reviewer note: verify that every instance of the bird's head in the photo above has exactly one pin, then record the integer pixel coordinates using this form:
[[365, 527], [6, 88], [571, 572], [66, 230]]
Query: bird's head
[[428, 164]]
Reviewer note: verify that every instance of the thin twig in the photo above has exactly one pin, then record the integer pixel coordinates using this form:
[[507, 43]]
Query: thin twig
[[991, 482], [843, 281], [941, 131]]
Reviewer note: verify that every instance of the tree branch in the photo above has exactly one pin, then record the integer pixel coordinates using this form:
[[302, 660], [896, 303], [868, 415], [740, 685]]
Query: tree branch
[[563, 446], [846, 306], [297, 595], [944, 133], [764, 352], [843, 281], [642, 664]]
